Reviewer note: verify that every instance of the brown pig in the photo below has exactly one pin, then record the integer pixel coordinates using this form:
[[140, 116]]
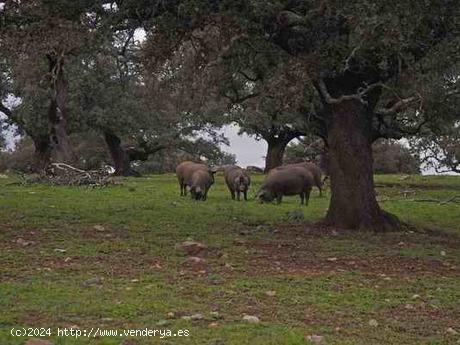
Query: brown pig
[[238, 181], [291, 180], [312, 168], [198, 177]]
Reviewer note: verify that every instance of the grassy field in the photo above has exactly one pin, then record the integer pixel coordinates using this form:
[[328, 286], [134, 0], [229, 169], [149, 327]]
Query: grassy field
[[108, 258]]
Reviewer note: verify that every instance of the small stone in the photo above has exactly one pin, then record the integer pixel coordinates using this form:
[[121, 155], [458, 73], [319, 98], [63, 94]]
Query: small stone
[[134, 280], [251, 319], [415, 296], [213, 324], [162, 322], [451, 331], [192, 248], [215, 315], [316, 339], [170, 315], [409, 306], [195, 260], [186, 317], [38, 342], [295, 215], [443, 253], [270, 293], [197, 317], [239, 242], [23, 242], [228, 266], [98, 228], [373, 323], [331, 259], [59, 250], [92, 282]]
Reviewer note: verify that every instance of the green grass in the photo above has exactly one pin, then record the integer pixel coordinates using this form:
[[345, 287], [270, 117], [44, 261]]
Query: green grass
[[325, 282]]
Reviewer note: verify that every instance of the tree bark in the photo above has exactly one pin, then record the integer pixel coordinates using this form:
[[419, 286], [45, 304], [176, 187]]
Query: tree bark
[[59, 111], [353, 202], [120, 158], [275, 153], [42, 154]]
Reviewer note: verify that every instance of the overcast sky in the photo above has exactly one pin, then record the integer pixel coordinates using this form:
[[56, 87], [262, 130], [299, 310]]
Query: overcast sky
[[248, 151]]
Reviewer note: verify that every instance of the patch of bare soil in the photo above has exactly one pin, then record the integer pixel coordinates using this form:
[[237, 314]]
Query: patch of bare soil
[[295, 250], [421, 319]]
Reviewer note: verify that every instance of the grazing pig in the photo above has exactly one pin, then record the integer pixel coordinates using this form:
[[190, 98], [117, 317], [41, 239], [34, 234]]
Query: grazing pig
[[198, 177], [291, 180], [238, 181], [312, 168]]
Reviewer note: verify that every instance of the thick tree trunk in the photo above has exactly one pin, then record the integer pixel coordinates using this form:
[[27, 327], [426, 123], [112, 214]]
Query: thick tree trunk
[[275, 153], [120, 158], [59, 111], [42, 154], [353, 203]]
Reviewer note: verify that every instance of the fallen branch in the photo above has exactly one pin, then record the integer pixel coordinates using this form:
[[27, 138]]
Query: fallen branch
[[62, 174]]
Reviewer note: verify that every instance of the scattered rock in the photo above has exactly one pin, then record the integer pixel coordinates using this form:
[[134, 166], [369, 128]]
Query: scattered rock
[[373, 323], [162, 322], [186, 317], [92, 282], [316, 339], [295, 215], [195, 260], [251, 319], [170, 315], [331, 259], [409, 307], [213, 324], [197, 317], [270, 293], [443, 253], [59, 250], [228, 266], [23, 242], [38, 342], [192, 248], [215, 315], [239, 242], [98, 228], [415, 296], [451, 331]]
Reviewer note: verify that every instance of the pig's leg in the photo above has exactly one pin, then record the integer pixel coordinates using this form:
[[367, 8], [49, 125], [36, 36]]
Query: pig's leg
[[302, 198], [279, 198], [238, 194], [307, 196], [246, 195], [233, 194]]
